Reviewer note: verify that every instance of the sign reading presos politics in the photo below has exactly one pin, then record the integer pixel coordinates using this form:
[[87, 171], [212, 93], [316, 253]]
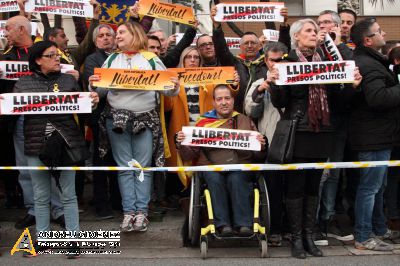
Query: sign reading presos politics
[[45, 103], [3, 28], [8, 6], [249, 11], [205, 75], [271, 35], [221, 138], [77, 8], [132, 79], [177, 13], [13, 70], [233, 42], [324, 72]]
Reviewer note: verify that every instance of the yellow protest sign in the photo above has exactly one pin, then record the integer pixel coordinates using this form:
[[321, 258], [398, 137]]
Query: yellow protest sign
[[172, 12], [205, 75], [24, 243], [132, 79]]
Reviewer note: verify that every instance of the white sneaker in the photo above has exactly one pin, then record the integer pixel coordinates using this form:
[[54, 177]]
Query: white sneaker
[[390, 234], [141, 222], [127, 223]]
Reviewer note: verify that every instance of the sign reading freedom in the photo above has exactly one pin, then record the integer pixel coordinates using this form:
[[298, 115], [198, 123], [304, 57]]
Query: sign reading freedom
[[249, 11], [205, 75], [45, 103], [324, 72], [221, 138]]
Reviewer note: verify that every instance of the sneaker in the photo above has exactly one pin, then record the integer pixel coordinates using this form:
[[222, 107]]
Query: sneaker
[[333, 230], [275, 240], [390, 234], [319, 238], [374, 244], [73, 252], [127, 223], [225, 231], [245, 231], [39, 249], [141, 222], [104, 213], [27, 221]]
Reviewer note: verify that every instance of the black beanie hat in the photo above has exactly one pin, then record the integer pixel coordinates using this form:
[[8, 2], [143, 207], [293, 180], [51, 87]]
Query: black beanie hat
[[36, 51]]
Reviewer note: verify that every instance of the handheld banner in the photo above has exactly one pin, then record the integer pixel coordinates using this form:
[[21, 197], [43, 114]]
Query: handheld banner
[[324, 72], [233, 42], [249, 11], [34, 26], [271, 35], [177, 13], [205, 75], [76, 8], [8, 6], [13, 70], [221, 138], [131, 79], [330, 49], [45, 103]]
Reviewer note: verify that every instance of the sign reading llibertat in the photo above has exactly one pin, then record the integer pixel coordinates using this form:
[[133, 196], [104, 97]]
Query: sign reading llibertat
[[249, 11], [77, 8]]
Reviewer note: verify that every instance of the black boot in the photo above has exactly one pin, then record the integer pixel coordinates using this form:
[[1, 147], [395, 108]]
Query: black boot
[[294, 214], [310, 212]]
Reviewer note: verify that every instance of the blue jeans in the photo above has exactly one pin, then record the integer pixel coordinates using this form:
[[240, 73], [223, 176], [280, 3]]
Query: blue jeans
[[24, 177], [369, 212], [125, 147], [230, 191], [41, 181], [330, 184]]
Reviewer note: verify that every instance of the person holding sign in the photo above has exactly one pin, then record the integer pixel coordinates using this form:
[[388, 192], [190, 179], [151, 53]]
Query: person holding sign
[[230, 191], [132, 125], [311, 105], [51, 139], [192, 101]]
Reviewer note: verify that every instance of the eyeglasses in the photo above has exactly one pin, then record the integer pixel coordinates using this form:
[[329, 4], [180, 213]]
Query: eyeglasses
[[206, 44], [373, 34], [275, 60], [52, 56], [324, 22], [194, 57], [250, 43]]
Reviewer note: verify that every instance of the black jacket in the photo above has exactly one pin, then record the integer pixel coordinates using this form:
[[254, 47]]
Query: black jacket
[[35, 125], [294, 98], [249, 71], [374, 121], [7, 123]]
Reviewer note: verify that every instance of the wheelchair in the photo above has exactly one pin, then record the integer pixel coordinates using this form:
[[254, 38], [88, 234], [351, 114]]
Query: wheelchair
[[201, 226]]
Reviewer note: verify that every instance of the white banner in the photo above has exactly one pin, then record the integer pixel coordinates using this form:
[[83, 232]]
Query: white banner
[[271, 35], [233, 42], [8, 6], [331, 50], [3, 28], [45, 103], [249, 11], [324, 72], [221, 138], [13, 70], [77, 8]]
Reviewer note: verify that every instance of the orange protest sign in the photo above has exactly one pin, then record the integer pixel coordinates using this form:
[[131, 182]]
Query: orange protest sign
[[205, 75], [131, 79], [177, 13]]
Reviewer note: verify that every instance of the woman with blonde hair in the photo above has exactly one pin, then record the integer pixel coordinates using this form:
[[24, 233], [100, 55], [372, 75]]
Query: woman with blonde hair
[[131, 126]]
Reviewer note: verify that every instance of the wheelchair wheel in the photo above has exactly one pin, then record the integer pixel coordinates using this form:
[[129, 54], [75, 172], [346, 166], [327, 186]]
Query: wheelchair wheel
[[265, 218], [203, 249], [194, 211], [263, 248]]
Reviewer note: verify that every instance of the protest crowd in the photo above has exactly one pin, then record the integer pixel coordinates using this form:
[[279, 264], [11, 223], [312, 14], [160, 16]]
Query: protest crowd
[[302, 108]]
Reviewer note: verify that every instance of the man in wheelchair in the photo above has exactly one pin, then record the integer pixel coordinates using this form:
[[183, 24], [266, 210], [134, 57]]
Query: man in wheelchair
[[230, 191]]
